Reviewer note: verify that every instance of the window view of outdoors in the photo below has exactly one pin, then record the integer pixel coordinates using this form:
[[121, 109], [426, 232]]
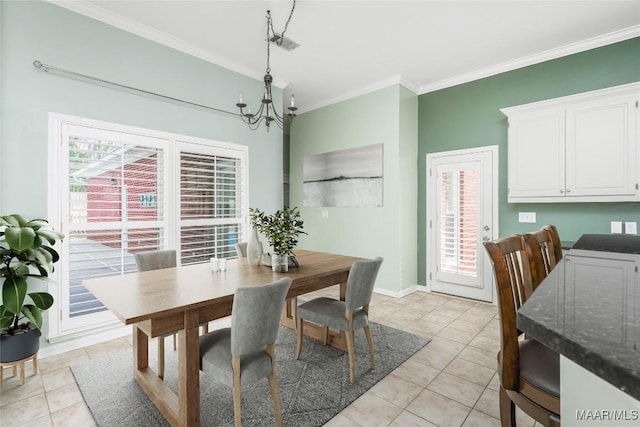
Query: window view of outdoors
[[117, 208], [459, 222]]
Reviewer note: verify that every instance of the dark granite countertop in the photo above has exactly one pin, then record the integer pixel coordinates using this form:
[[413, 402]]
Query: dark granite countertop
[[588, 310]]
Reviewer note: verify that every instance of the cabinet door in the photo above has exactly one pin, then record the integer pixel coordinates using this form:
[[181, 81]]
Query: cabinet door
[[601, 148], [609, 279], [536, 154]]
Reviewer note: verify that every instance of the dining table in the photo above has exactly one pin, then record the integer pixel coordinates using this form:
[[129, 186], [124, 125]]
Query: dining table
[[178, 300]]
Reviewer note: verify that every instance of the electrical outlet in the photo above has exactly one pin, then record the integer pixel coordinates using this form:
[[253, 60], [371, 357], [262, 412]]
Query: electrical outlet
[[631, 227], [529, 217], [616, 227]]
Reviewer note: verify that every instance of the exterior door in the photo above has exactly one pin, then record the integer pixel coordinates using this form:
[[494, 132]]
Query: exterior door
[[461, 214]]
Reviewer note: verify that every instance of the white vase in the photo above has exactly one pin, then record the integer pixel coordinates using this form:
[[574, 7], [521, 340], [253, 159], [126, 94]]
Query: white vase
[[254, 248], [280, 263]]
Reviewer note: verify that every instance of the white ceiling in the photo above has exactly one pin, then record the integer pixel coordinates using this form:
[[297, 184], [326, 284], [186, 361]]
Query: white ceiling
[[352, 47]]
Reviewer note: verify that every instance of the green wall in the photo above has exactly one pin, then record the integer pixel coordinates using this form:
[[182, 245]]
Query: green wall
[[42, 31], [468, 116], [388, 117]]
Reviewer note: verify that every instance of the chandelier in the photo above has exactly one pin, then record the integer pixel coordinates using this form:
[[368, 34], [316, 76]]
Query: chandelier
[[267, 112]]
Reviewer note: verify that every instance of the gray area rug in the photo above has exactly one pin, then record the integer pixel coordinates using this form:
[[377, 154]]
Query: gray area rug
[[313, 389]]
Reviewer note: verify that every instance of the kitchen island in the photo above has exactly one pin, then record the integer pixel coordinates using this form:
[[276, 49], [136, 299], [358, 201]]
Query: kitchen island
[[588, 310]]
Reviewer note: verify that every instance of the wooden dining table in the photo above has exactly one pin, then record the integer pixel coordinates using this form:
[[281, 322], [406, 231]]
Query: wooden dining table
[[178, 300]]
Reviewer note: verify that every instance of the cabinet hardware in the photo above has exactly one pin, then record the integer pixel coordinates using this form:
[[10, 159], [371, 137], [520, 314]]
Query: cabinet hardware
[[561, 190], [568, 191]]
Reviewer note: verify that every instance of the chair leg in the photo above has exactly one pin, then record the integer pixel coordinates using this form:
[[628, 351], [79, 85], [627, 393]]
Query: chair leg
[[507, 410], [161, 357], [273, 385], [352, 358], [372, 357], [325, 335], [299, 323], [237, 414]]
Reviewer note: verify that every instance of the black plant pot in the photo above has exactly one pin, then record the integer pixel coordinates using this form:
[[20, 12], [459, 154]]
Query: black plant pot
[[23, 344]]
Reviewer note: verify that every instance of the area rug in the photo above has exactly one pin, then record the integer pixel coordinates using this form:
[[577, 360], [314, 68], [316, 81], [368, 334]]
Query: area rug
[[313, 389]]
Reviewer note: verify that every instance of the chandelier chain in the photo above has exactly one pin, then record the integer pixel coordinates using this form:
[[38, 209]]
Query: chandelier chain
[[272, 31], [279, 42]]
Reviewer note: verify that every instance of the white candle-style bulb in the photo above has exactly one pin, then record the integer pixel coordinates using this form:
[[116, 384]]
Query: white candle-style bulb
[[293, 101], [241, 100]]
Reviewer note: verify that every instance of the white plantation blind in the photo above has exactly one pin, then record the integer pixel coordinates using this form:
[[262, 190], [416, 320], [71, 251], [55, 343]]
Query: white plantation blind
[[459, 222], [116, 205], [121, 190], [212, 190]]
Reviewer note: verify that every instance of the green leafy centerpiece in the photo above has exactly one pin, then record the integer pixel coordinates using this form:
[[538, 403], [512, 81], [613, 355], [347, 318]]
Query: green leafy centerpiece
[[281, 229]]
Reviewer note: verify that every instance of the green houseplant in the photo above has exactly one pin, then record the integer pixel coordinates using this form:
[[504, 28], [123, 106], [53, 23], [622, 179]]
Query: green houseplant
[[281, 229], [25, 252]]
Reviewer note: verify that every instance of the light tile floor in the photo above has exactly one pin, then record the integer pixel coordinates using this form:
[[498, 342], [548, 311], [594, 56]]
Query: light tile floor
[[450, 382]]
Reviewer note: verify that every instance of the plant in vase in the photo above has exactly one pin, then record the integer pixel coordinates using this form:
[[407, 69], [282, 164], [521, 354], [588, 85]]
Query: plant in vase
[[25, 252], [281, 229]]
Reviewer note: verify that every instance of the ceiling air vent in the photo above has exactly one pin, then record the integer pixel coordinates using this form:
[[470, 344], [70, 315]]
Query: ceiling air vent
[[287, 44]]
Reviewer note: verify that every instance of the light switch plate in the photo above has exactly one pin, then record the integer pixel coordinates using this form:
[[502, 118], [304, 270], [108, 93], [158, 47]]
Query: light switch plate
[[631, 227], [616, 227], [325, 213], [529, 217]]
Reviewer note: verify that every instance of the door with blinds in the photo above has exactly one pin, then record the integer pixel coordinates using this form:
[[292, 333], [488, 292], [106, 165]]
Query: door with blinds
[[113, 193], [461, 203], [118, 190]]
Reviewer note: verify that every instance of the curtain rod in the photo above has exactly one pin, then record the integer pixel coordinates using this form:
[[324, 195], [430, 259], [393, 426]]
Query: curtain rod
[[48, 68]]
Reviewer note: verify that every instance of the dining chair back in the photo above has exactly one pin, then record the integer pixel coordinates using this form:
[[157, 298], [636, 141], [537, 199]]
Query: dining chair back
[[156, 260], [241, 249], [529, 372], [348, 315], [542, 257], [245, 353], [555, 238]]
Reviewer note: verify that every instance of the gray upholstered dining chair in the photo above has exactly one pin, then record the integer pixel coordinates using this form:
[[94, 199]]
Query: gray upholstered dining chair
[[347, 315], [245, 353], [156, 260], [241, 249]]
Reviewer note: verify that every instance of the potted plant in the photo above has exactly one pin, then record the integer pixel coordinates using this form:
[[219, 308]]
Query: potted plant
[[281, 229], [25, 252]]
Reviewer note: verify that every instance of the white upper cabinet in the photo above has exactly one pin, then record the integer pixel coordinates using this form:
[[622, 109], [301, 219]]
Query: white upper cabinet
[[579, 148]]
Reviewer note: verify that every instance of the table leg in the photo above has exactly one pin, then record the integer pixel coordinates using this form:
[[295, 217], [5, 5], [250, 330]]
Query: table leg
[[189, 371], [140, 349]]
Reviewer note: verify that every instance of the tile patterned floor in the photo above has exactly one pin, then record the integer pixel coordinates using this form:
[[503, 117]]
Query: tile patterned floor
[[450, 382]]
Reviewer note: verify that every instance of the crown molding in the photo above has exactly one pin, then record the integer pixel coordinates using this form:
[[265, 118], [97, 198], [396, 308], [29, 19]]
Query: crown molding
[[581, 46], [382, 84], [95, 12]]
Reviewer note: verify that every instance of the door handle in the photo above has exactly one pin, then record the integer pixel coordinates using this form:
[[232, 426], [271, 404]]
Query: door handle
[[487, 228], [486, 238]]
